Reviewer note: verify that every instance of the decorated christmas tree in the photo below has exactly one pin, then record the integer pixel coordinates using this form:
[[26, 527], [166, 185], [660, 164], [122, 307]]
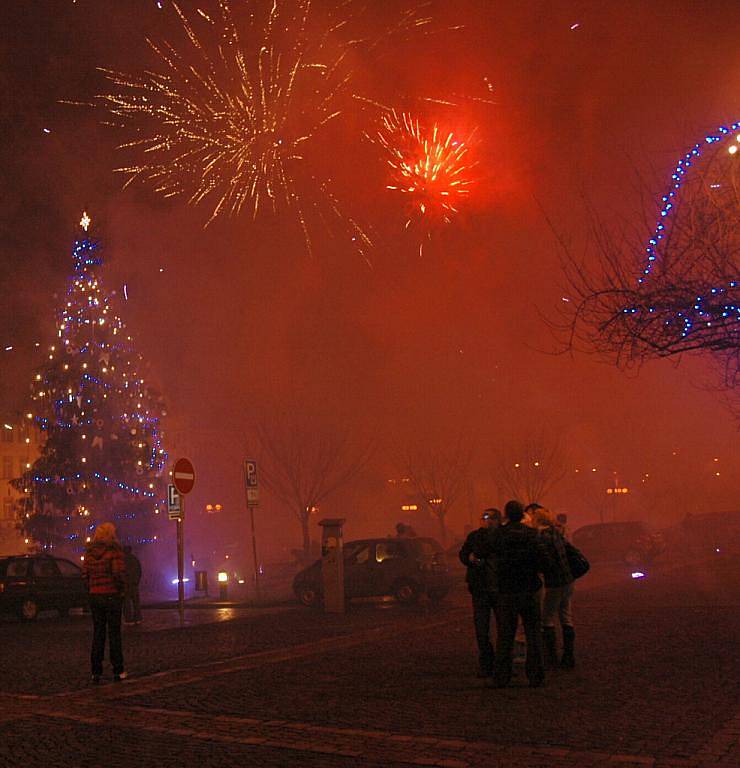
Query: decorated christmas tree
[[103, 458]]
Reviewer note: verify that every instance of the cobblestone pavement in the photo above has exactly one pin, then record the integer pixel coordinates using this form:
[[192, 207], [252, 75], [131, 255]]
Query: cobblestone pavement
[[156, 618], [656, 685]]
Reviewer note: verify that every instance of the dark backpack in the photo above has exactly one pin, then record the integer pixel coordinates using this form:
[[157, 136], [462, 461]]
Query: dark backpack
[[579, 565]]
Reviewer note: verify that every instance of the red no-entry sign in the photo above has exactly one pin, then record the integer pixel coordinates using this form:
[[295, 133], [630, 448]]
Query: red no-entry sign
[[183, 476]]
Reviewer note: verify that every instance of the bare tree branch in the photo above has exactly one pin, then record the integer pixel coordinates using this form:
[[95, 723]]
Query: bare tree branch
[[689, 299], [439, 476], [304, 459], [530, 470]]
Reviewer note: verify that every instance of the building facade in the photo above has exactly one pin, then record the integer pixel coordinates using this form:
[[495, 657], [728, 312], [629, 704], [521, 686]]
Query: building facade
[[20, 443]]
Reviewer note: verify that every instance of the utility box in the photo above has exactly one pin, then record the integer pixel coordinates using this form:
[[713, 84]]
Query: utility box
[[332, 564], [201, 581]]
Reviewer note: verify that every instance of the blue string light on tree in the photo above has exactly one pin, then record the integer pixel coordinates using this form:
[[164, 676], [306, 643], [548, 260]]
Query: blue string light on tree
[[694, 246], [730, 135]]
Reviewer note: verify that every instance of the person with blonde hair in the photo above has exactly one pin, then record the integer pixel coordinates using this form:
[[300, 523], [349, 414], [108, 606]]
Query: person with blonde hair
[[105, 570], [556, 603], [540, 517]]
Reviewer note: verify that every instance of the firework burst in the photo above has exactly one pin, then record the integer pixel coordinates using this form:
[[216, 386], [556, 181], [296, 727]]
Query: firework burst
[[431, 168], [227, 119]]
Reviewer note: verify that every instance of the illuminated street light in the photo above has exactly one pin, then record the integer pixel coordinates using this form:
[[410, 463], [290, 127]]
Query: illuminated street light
[[223, 585]]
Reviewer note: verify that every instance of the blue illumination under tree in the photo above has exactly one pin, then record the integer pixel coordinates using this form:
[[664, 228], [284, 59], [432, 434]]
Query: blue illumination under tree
[[103, 458]]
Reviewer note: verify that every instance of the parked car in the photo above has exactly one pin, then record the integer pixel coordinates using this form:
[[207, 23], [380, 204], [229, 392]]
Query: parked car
[[33, 583], [634, 543], [404, 568], [707, 533]]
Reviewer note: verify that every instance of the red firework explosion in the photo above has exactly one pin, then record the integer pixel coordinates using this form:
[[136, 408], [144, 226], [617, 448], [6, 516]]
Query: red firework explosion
[[430, 167]]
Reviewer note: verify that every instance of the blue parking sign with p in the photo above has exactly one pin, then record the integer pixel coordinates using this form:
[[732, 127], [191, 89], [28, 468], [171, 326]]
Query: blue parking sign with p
[[250, 481], [173, 503], [251, 473]]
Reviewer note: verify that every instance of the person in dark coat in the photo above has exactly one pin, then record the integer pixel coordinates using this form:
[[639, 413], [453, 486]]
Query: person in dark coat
[[131, 602], [519, 558], [104, 570], [480, 586]]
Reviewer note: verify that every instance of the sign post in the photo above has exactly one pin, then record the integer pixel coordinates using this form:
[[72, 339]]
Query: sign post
[[251, 489], [183, 477]]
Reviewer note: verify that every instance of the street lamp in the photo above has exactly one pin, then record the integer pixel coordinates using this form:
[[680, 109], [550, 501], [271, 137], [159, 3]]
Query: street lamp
[[616, 490], [223, 584]]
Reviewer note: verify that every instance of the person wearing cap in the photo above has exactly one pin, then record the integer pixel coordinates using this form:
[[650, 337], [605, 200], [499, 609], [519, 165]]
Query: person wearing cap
[[480, 578]]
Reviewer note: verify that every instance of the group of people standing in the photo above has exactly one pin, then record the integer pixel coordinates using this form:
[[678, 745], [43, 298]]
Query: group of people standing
[[507, 559], [113, 574]]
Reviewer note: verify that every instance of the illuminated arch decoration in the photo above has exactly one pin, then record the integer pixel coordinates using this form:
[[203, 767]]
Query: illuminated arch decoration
[[716, 304], [732, 135]]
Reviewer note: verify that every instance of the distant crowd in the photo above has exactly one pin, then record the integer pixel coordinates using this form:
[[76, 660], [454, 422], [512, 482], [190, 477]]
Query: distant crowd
[[520, 567]]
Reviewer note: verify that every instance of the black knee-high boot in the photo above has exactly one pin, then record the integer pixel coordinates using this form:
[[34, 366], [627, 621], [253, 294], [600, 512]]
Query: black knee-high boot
[[569, 636]]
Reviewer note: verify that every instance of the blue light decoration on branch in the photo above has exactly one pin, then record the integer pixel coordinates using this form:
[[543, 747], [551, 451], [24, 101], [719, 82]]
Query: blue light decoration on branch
[[697, 313], [677, 179]]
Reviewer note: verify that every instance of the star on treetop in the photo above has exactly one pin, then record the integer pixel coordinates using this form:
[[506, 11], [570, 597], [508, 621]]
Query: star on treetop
[[85, 221]]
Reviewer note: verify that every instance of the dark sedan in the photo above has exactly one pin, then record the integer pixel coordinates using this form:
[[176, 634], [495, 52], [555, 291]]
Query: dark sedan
[[403, 568], [30, 584], [633, 543]]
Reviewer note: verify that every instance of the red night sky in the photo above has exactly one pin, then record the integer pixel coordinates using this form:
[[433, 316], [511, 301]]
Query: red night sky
[[408, 348]]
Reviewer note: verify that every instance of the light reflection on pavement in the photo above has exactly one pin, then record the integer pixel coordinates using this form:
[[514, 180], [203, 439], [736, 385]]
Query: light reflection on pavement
[[155, 619]]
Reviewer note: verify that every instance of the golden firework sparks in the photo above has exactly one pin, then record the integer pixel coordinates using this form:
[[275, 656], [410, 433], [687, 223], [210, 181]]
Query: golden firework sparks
[[227, 118], [430, 167]]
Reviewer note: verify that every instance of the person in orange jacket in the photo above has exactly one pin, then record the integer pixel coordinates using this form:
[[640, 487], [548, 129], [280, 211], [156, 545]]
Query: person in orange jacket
[[105, 571]]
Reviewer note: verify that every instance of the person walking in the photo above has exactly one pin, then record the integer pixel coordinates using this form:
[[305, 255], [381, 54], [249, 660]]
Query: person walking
[[480, 578], [131, 601], [520, 558], [104, 568], [559, 582]]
